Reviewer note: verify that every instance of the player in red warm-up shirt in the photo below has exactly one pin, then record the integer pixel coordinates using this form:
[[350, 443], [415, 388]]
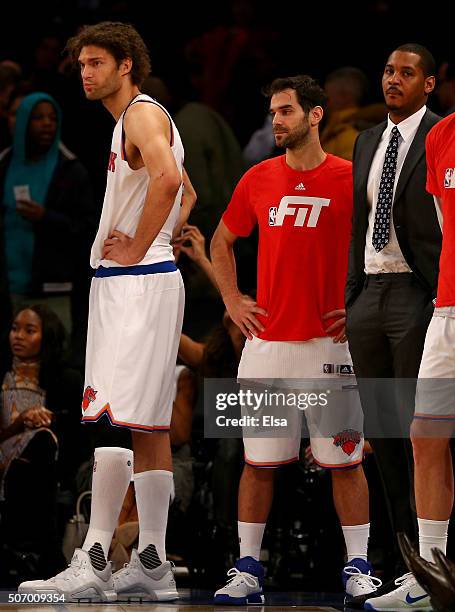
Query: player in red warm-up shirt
[[434, 421], [302, 204]]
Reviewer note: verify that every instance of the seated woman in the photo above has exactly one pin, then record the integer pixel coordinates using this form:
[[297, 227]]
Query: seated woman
[[39, 408]]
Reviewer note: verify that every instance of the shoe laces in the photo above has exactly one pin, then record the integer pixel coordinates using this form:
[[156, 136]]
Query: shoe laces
[[363, 579], [72, 570], [403, 581], [238, 577], [127, 568]]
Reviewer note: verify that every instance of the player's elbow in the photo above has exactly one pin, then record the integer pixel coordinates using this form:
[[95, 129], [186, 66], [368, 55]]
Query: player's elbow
[[170, 183], [191, 199]]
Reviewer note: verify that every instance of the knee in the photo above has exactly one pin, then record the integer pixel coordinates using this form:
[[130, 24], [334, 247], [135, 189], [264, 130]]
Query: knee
[[426, 445], [259, 474], [348, 474]]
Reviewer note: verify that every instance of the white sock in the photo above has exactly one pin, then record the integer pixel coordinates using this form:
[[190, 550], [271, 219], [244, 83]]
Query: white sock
[[112, 471], [432, 534], [356, 538], [250, 539], [153, 494]]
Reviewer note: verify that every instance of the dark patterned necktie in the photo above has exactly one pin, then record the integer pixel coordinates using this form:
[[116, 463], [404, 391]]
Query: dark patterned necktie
[[381, 227]]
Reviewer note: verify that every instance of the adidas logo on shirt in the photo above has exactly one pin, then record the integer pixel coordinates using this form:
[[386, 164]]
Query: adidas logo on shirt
[[300, 187]]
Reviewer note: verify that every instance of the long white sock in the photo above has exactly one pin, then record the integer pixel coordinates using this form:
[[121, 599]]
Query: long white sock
[[250, 539], [432, 534], [153, 494], [356, 538], [112, 471]]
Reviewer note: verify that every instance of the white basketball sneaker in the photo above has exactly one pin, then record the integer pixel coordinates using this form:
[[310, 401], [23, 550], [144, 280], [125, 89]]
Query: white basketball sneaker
[[408, 596], [135, 581], [79, 582], [359, 580], [244, 585]]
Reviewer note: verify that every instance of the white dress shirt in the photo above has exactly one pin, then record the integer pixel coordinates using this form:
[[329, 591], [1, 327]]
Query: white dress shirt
[[390, 258]]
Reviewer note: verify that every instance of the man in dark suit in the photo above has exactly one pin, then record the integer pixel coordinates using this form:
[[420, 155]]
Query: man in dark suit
[[393, 267]]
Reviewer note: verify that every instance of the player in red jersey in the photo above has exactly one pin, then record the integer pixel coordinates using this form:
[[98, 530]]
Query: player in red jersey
[[434, 417], [302, 203]]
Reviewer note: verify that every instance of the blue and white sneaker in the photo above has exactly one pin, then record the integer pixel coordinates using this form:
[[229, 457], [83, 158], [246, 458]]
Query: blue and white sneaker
[[359, 581], [244, 585], [408, 595]]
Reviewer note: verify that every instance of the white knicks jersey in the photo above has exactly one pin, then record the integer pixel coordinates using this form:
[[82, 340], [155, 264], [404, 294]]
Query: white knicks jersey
[[126, 190]]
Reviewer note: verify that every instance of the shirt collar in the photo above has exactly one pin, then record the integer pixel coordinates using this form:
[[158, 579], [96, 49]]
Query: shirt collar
[[407, 127]]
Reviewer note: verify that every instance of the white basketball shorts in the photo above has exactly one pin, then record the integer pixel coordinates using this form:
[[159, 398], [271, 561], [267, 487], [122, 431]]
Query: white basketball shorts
[[435, 395], [135, 322], [335, 428]]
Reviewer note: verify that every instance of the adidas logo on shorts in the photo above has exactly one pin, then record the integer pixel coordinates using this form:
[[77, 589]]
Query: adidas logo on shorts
[[340, 369]]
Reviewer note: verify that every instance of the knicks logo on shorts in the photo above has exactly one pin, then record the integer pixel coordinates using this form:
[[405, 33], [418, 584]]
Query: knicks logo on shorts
[[348, 440], [89, 396], [298, 208], [449, 178]]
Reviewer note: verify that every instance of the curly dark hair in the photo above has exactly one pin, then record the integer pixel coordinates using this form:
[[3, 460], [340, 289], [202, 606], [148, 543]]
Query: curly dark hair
[[309, 93], [121, 40]]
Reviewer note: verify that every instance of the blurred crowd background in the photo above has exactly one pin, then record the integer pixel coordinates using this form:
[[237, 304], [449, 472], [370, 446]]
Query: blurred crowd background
[[209, 66]]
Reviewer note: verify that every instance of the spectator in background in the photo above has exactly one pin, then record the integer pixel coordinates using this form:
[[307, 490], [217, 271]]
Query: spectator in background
[[39, 417], [47, 206], [346, 90], [261, 145], [445, 91], [213, 157], [246, 50]]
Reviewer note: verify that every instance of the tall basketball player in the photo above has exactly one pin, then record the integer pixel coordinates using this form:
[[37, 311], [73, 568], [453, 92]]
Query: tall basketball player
[[136, 311], [302, 204]]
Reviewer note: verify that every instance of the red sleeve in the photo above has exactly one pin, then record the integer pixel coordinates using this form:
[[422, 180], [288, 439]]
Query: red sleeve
[[432, 179], [240, 217]]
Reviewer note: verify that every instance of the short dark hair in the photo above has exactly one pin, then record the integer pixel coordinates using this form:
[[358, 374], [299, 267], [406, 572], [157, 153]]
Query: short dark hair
[[308, 91], [427, 60], [121, 40]]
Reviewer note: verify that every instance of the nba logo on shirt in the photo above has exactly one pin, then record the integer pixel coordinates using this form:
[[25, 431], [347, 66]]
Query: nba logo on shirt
[[272, 215], [449, 178]]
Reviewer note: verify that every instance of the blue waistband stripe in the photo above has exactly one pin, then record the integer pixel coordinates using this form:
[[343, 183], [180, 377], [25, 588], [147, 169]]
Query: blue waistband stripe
[[156, 268]]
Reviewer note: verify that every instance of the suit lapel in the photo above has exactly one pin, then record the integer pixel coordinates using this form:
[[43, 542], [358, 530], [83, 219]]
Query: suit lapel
[[369, 149], [416, 150]]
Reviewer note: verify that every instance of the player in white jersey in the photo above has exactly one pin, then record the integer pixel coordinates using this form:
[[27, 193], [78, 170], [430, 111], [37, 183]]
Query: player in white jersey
[[136, 312]]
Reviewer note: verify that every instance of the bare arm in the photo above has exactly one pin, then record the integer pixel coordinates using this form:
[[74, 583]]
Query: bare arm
[[147, 127], [190, 351], [182, 410], [241, 308], [31, 418], [438, 206], [189, 198]]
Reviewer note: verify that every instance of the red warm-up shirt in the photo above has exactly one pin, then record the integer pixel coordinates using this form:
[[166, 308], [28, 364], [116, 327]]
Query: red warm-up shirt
[[440, 151], [304, 220]]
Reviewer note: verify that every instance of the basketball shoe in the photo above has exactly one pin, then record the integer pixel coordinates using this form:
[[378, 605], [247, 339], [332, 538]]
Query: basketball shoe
[[244, 585], [134, 581], [359, 580], [408, 595], [80, 581]]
